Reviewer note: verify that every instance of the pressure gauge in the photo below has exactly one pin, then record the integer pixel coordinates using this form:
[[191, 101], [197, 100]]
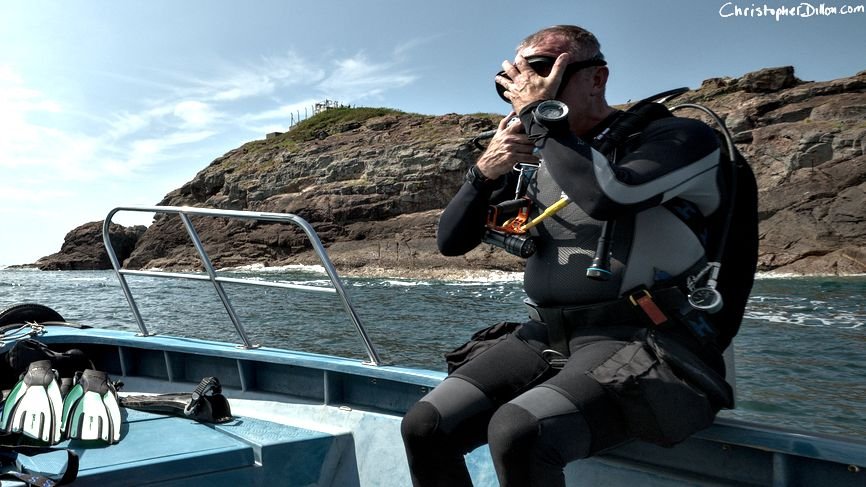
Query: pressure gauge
[[706, 299], [551, 111]]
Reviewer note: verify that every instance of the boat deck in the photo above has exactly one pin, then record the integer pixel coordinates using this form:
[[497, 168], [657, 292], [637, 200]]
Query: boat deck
[[305, 419], [234, 452]]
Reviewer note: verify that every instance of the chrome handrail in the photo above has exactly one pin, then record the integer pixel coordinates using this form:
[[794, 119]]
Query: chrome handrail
[[184, 213]]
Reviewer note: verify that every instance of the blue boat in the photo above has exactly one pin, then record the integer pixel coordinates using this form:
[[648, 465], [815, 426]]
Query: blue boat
[[303, 419]]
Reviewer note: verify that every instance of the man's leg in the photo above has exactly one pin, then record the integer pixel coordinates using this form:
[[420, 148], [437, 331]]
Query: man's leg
[[568, 417], [452, 419], [443, 426]]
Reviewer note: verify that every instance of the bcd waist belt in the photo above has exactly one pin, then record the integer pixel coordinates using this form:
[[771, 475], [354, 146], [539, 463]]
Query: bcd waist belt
[[652, 308]]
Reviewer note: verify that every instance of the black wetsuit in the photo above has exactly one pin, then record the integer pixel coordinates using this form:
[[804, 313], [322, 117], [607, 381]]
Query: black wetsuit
[[534, 417]]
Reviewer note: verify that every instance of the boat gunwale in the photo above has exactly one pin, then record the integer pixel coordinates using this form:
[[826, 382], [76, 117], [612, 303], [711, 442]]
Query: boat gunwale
[[727, 432]]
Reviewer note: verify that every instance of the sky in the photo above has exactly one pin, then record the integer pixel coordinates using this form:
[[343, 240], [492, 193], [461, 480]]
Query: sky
[[107, 103]]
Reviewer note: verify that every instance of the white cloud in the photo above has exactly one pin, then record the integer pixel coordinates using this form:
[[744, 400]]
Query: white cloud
[[266, 77], [357, 78], [18, 136], [283, 112], [33, 146], [85, 144], [17, 98], [65, 162], [242, 85], [124, 124], [403, 48], [194, 113], [142, 154]]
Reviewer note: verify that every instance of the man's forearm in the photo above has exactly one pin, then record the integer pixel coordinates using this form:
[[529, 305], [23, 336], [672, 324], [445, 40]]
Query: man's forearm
[[461, 225]]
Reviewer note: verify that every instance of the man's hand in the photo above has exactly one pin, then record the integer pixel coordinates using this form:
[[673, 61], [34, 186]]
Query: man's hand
[[509, 146], [527, 86]]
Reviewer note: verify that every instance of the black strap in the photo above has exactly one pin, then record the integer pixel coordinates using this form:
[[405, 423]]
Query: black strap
[[38, 479], [670, 301], [557, 332], [207, 385], [562, 321], [206, 403]]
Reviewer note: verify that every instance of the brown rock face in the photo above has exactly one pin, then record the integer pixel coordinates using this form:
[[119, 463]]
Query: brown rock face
[[805, 142], [768, 80], [373, 187], [83, 249]]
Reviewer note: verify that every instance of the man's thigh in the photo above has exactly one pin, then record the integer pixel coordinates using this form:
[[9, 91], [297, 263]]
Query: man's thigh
[[605, 420], [510, 366]]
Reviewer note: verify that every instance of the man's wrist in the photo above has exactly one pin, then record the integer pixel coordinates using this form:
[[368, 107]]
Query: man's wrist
[[476, 178], [527, 115]]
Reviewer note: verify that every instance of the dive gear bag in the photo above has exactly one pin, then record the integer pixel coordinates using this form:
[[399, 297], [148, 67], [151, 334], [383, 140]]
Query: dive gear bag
[[28, 350], [479, 342], [665, 392]]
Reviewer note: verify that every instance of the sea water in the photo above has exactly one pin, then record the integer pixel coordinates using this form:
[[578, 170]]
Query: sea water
[[800, 355]]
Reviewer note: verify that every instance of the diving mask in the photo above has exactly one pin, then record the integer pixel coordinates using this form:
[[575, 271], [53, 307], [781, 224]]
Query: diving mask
[[542, 65]]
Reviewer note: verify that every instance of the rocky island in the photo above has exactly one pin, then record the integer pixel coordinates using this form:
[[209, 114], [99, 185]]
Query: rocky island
[[374, 181]]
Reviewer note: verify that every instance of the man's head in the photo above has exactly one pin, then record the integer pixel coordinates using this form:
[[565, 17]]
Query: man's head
[[579, 42], [584, 89]]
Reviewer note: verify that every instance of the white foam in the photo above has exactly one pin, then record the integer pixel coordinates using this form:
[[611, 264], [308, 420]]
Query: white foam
[[317, 282], [792, 275], [258, 267], [487, 277], [407, 283], [92, 279], [808, 318]]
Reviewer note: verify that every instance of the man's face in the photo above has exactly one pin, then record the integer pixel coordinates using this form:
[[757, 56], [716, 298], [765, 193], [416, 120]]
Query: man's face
[[576, 89]]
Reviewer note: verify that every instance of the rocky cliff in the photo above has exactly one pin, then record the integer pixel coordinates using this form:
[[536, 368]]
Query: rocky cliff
[[806, 143], [373, 182], [83, 249]]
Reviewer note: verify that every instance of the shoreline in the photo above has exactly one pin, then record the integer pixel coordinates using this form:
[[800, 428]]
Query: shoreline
[[438, 274]]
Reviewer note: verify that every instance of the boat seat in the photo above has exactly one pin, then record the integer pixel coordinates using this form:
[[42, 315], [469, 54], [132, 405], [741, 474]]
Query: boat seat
[[168, 450]]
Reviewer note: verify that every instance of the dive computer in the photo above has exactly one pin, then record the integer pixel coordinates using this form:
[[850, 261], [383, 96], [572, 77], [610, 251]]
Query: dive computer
[[551, 112]]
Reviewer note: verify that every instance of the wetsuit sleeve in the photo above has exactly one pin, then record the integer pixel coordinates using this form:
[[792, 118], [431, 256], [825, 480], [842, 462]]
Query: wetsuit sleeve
[[660, 163], [461, 225]]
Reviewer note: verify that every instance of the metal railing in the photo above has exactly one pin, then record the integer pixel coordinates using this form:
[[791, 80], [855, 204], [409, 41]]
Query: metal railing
[[211, 275]]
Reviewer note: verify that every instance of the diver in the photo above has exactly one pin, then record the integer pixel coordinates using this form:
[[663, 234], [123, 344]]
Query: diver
[[613, 349]]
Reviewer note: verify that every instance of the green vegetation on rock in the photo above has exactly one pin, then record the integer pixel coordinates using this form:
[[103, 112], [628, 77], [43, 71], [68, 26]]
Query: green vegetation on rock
[[333, 120]]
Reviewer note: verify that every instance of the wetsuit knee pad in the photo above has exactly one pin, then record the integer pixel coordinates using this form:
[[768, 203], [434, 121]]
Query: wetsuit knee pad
[[517, 436], [433, 457], [512, 431], [420, 425]]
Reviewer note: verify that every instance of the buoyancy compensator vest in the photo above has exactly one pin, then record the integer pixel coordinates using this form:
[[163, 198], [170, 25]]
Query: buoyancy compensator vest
[[729, 235]]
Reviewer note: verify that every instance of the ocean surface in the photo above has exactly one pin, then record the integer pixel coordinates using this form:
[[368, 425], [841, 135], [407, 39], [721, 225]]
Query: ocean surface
[[800, 355]]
